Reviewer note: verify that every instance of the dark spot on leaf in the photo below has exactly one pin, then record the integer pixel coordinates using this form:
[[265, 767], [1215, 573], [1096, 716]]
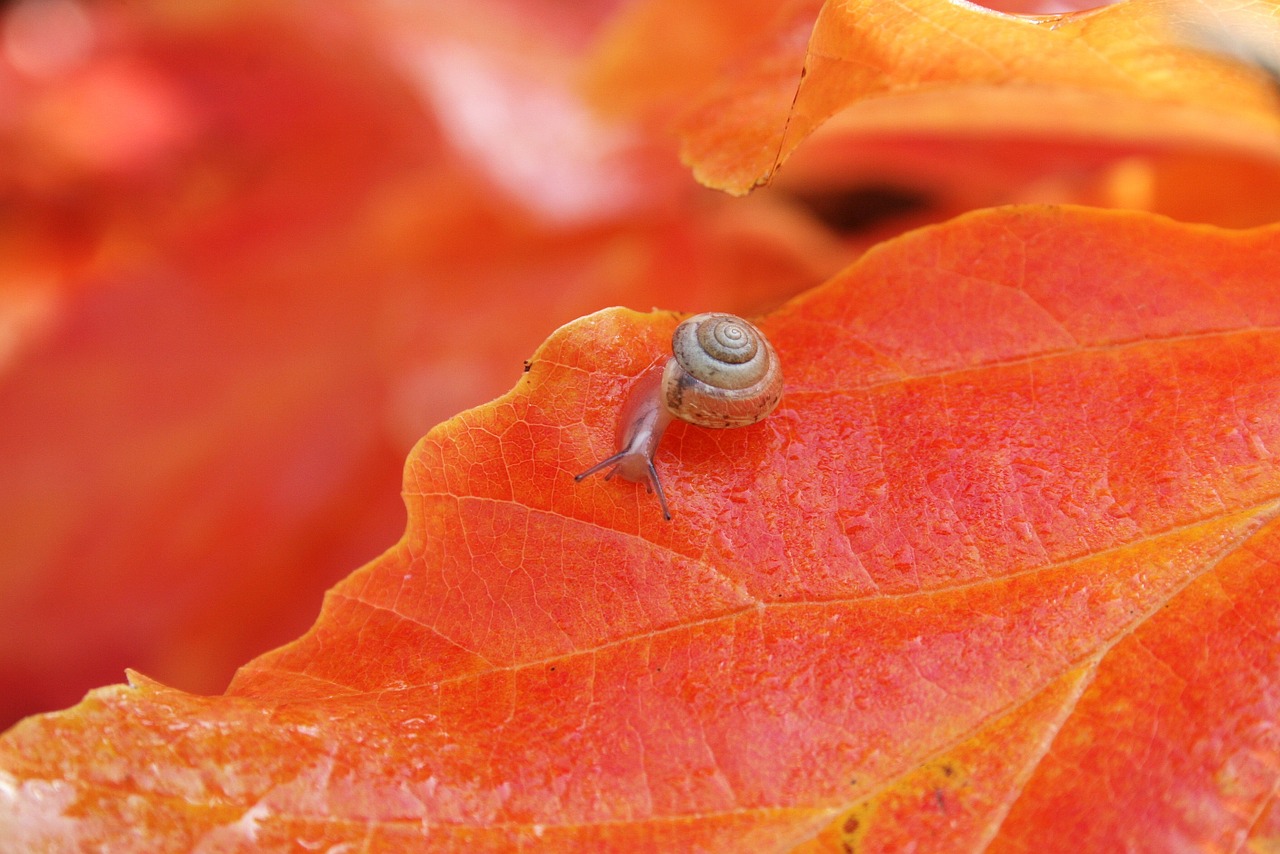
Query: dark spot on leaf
[[528, 365], [850, 826]]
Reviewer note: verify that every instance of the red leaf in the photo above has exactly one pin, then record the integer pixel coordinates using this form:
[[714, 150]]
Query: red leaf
[[1019, 108], [999, 570]]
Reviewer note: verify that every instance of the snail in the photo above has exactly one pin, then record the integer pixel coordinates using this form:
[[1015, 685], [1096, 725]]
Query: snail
[[723, 373]]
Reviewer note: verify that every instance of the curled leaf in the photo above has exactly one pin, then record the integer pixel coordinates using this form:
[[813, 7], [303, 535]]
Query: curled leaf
[[1135, 74]]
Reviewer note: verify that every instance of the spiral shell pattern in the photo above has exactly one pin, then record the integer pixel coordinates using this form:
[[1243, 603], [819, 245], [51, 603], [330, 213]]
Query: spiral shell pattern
[[724, 373]]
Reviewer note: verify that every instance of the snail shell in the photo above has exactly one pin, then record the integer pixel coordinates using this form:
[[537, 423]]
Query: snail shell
[[724, 372]]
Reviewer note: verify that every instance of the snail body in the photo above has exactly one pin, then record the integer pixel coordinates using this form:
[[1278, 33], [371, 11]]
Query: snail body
[[723, 373]]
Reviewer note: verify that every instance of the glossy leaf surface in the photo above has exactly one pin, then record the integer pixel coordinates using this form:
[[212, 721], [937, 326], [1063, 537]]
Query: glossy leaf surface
[[1001, 569]]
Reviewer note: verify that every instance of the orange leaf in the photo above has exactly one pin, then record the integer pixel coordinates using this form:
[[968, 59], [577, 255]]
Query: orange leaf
[[1130, 73], [656, 52], [1001, 569], [223, 324]]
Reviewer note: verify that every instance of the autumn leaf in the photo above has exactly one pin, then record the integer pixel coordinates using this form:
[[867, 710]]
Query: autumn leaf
[[223, 323], [999, 572], [1137, 104], [656, 52]]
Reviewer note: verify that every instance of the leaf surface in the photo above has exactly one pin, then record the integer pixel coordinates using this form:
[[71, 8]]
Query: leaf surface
[[999, 570], [1138, 74]]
